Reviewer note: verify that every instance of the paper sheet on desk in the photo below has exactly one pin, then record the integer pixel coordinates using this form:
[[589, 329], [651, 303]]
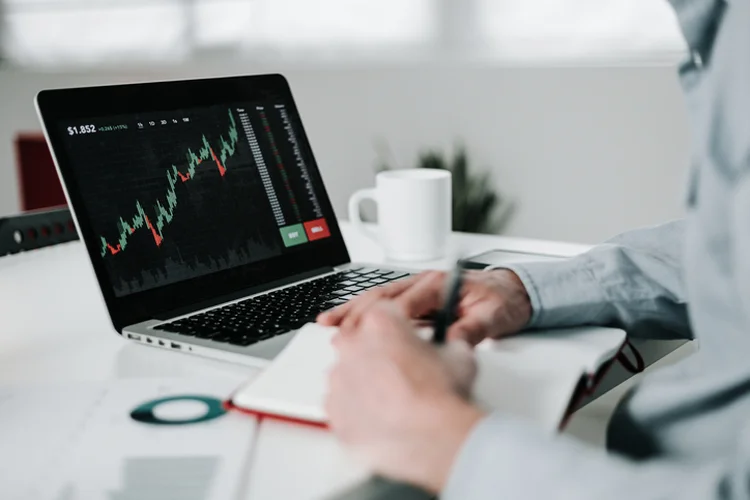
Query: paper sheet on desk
[[79, 442], [298, 462]]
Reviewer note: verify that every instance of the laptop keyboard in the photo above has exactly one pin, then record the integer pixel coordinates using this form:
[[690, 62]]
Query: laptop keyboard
[[263, 317]]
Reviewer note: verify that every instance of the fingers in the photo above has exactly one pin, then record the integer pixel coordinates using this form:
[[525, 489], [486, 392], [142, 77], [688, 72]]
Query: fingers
[[348, 315], [334, 317], [382, 327], [459, 357], [425, 296], [337, 339], [415, 298], [472, 329], [384, 323], [360, 306]]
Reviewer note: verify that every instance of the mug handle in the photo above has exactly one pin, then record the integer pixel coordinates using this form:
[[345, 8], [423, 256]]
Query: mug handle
[[354, 217]]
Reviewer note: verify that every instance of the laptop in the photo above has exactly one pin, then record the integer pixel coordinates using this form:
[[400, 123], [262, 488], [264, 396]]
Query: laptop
[[203, 212]]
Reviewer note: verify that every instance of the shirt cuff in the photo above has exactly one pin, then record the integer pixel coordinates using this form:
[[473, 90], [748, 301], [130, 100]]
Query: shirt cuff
[[564, 293]]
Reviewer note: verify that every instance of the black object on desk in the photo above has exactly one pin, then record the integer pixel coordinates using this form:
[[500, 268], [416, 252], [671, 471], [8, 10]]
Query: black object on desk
[[377, 488], [37, 229]]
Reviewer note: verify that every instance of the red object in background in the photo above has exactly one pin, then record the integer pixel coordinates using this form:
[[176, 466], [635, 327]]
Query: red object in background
[[39, 185], [317, 229]]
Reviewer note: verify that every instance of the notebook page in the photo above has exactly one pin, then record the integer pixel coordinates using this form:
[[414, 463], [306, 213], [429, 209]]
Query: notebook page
[[294, 385], [528, 390], [534, 375], [531, 376], [585, 348]]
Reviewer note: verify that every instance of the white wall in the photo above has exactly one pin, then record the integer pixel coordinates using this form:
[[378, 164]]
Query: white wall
[[587, 152]]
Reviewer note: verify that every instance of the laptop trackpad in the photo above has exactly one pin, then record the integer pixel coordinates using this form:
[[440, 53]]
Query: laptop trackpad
[[269, 349]]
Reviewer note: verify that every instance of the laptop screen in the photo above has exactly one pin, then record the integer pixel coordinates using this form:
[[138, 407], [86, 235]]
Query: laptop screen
[[175, 195]]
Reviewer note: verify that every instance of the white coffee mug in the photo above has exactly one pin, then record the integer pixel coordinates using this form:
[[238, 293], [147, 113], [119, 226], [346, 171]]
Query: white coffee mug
[[414, 213]]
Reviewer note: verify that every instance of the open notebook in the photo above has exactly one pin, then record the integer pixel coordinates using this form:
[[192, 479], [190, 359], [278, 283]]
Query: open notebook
[[533, 376]]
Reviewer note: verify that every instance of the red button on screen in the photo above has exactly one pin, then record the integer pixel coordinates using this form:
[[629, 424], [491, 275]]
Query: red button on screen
[[317, 230]]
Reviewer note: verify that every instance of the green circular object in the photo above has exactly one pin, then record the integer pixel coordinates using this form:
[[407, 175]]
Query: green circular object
[[145, 413]]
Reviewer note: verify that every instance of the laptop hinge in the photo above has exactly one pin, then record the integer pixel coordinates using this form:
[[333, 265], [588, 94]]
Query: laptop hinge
[[241, 293]]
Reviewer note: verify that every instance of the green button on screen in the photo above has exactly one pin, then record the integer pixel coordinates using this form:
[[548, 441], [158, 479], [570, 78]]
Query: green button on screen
[[293, 235]]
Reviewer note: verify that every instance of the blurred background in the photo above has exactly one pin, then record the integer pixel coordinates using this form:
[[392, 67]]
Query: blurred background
[[572, 106]]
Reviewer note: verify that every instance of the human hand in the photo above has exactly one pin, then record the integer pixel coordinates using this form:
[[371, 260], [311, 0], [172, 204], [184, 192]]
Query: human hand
[[493, 303], [398, 401]]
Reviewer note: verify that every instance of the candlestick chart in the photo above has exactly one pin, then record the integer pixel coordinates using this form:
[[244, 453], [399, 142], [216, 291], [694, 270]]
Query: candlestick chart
[[164, 215], [175, 196]]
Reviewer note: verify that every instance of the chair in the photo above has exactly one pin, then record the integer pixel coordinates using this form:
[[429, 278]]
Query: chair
[[39, 185]]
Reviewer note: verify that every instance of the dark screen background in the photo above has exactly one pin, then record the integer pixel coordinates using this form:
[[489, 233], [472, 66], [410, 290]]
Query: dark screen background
[[215, 221]]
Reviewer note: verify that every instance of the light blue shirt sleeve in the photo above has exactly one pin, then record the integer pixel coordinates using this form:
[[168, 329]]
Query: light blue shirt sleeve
[[634, 281], [522, 463]]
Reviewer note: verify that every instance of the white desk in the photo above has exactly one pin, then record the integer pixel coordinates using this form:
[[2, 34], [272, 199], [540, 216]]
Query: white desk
[[54, 323], [53, 326]]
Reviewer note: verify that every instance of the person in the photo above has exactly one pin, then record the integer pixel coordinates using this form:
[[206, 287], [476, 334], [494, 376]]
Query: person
[[401, 403]]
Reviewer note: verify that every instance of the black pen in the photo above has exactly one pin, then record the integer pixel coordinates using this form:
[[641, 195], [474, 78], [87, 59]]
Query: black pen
[[448, 314]]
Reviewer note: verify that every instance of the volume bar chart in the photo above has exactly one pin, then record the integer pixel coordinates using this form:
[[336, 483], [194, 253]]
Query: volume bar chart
[[279, 162], [300, 160], [262, 169]]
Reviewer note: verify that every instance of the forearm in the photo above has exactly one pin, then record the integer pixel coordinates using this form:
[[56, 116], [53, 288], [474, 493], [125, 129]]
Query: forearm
[[503, 458], [633, 281]]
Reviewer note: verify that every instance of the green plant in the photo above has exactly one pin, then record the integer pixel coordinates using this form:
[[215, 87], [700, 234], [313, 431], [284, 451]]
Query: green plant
[[475, 202]]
